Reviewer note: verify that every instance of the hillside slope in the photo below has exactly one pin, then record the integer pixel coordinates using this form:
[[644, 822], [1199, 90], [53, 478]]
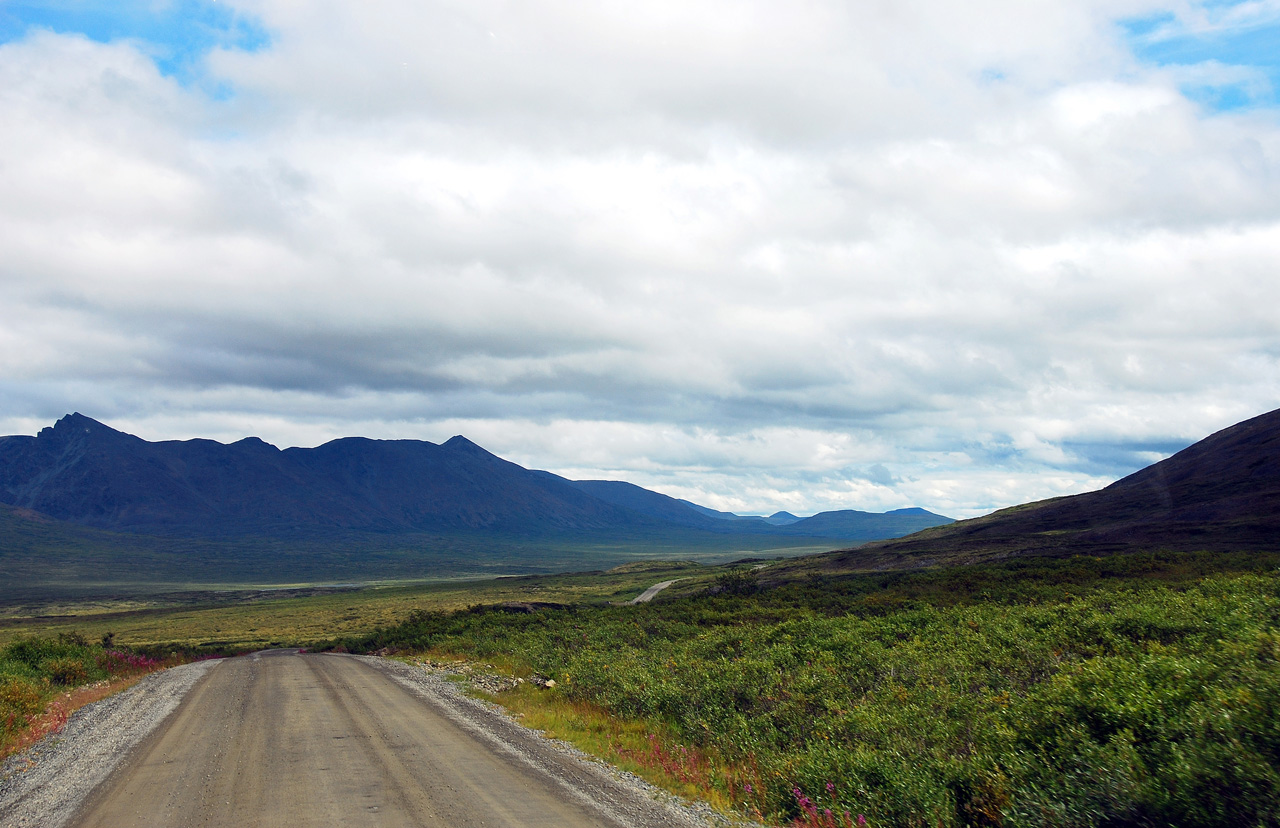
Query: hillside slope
[[1222, 493]]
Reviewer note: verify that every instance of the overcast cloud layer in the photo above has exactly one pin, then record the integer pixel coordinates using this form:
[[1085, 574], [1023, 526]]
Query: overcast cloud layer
[[764, 256]]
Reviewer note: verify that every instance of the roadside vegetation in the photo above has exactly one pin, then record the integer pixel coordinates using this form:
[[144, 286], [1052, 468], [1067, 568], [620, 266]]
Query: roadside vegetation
[[44, 680], [1132, 690]]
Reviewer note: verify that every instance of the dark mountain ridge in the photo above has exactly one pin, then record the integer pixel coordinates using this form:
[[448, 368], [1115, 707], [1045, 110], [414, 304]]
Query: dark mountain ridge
[[86, 473]]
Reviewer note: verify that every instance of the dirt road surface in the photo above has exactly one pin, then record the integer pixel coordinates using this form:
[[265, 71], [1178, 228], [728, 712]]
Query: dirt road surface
[[288, 739]]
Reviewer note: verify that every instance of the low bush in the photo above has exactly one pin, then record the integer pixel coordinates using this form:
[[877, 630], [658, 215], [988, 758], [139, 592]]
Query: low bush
[[20, 697]]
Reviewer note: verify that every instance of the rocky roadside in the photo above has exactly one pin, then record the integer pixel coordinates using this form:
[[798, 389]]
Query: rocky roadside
[[42, 787], [480, 676]]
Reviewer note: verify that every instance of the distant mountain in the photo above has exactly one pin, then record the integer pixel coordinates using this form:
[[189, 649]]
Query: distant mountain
[[848, 524], [855, 525], [88, 474], [718, 515], [644, 501], [1223, 493]]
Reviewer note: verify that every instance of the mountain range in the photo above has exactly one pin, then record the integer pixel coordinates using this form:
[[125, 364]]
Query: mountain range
[[86, 473], [86, 507]]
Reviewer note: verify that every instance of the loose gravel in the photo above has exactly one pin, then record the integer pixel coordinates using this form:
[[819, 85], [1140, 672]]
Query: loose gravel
[[43, 786]]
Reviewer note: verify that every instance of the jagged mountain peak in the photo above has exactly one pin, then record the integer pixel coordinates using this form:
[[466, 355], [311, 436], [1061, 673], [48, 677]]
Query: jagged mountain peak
[[77, 422]]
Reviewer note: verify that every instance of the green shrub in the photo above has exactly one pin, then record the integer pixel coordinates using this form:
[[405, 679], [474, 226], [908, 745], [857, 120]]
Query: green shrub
[[67, 671]]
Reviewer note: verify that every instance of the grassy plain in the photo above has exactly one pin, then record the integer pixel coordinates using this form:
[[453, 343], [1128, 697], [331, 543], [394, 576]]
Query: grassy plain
[[242, 618]]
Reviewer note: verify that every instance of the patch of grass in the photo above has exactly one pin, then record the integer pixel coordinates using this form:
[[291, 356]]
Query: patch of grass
[[653, 753]]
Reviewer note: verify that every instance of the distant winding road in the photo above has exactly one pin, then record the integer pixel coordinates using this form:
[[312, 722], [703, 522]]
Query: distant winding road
[[647, 596], [288, 739]]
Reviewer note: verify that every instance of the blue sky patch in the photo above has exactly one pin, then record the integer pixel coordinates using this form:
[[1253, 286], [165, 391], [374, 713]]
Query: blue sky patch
[[1227, 41], [176, 34]]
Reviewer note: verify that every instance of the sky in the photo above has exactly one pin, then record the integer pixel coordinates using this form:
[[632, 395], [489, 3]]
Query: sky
[[809, 255]]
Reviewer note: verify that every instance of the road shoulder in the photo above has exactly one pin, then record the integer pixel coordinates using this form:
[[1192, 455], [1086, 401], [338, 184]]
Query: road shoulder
[[44, 786]]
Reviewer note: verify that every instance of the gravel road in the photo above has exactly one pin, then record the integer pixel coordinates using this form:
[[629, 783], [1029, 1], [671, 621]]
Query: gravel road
[[287, 739]]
